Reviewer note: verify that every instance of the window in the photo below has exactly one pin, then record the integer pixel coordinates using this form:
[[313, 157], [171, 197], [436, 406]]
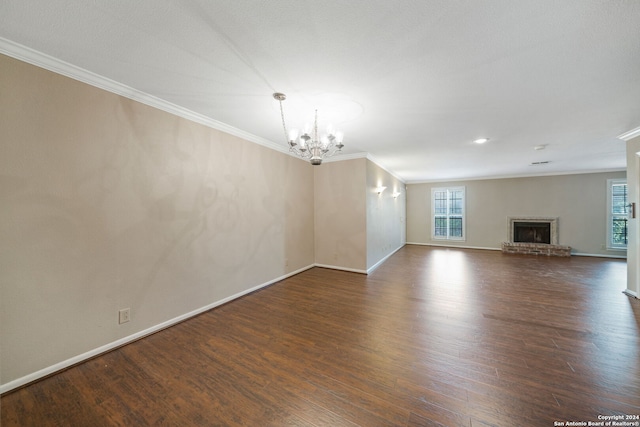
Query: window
[[447, 213], [617, 216]]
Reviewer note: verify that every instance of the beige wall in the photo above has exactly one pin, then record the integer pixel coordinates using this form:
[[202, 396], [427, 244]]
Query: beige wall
[[633, 188], [386, 230], [355, 228], [578, 200], [340, 214], [107, 203]]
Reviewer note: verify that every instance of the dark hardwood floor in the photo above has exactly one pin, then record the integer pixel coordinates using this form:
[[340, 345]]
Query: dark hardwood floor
[[433, 337]]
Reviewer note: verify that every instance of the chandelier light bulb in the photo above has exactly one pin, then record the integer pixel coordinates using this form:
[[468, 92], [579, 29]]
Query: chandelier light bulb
[[293, 135], [331, 130]]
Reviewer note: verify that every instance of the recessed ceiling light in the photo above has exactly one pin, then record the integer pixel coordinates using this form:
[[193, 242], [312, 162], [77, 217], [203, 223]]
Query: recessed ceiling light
[[481, 140]]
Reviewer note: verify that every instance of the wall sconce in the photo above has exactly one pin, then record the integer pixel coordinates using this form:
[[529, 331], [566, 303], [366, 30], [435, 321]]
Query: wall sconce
[[380, 189], [396, 194]]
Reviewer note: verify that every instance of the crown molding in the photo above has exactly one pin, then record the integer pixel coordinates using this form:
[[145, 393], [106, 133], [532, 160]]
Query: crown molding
[[342, 157], [627, 136], [362, 155], [374, 160], [539, 175], [58, 66], [42, 60]]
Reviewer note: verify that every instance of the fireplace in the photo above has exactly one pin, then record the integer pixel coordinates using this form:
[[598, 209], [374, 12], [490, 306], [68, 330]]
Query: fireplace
[[532, 232], [534, 236], [543, 230]]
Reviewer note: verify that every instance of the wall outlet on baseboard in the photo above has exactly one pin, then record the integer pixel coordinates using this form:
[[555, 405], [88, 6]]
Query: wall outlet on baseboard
[[124, 315]]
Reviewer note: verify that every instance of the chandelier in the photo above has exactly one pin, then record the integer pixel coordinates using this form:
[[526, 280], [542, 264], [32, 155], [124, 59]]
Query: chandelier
[[309, 145]]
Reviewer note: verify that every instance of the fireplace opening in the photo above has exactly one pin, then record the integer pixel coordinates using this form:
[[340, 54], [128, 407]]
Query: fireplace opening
[[532, 232]]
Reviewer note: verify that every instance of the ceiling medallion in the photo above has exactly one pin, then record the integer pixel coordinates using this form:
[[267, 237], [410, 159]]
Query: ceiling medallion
[[309, 145]]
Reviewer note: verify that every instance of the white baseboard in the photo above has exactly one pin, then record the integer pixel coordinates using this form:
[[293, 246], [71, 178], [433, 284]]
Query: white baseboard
[[630, 293], [4, 388], [453, 246], [337, 267], [355, 270], [499, 249], [601, 255], [377, 264]]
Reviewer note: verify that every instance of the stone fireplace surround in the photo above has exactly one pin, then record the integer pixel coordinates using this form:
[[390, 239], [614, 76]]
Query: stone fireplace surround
[[552, 249]]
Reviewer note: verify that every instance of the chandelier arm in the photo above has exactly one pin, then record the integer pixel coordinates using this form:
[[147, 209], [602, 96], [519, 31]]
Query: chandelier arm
[[332, 150], [300, 153], [295, 150]]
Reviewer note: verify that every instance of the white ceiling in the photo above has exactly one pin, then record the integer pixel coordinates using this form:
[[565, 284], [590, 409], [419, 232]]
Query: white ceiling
[[411, 82]]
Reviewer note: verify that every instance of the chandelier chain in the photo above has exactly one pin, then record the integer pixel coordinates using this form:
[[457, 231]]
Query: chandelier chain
[[284, 126]]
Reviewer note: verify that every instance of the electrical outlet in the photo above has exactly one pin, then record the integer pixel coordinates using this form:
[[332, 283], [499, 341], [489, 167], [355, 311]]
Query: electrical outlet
[[124, 315]]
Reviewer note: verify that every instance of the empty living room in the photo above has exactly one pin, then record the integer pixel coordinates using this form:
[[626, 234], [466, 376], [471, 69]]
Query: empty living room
[[361, 213]]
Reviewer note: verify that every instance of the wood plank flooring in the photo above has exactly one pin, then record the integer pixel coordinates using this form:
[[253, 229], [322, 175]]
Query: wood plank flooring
[[433, 337]]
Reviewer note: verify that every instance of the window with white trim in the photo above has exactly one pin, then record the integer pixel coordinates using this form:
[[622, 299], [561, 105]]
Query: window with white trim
[[617, 216], [448, 213]]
